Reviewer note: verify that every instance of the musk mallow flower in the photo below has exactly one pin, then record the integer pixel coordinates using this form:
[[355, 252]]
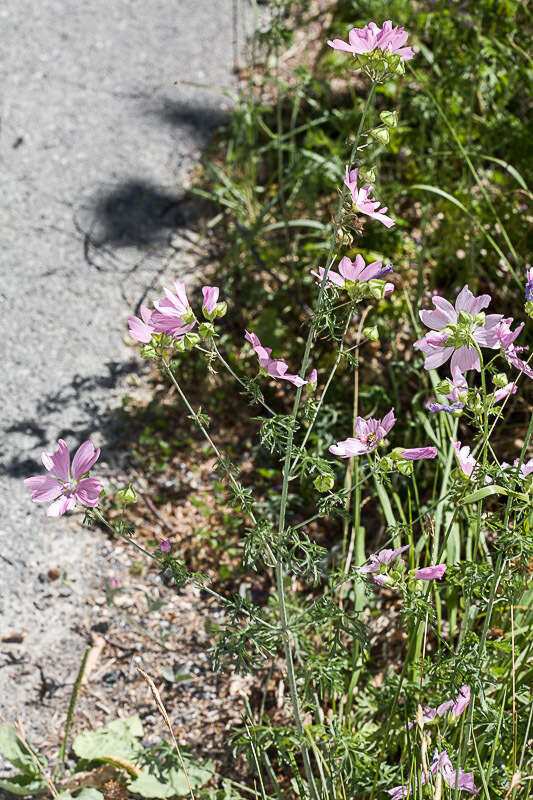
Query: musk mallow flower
[[378, 560], [455, 390], [210, 294], [440, 765], [468, 464], [526, 468], [66, 484], [356, 271], [455, 331], [362, 199], [457, 706], [368, 434], [430, 573], [504, 391], [362, 41], [172, 316], [165, 546], [275, 367]]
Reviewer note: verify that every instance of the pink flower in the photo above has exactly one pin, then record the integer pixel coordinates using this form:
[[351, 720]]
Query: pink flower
[[529, 284], [511, 354], [142, 329], [275, 367], [430, 573], [468, 464], [526, 468], [168, 317], [313, 378], [65, 485], [418, 453], [210, 294], [368, 434], [165, 546], [441, 763], [353, 271], [505, 391], [389, 39], [506, 336], [363, 201], [444, 319], [377, 560], [461, 702]]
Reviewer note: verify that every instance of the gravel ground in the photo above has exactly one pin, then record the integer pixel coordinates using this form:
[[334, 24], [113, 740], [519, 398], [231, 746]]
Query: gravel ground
[[97, 142]]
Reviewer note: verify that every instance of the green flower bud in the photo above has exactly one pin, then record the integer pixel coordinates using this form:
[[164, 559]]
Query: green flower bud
[[126, 495], [380, 135], [221, 309], [529, 308], [500, 380], [190, 340], [188, 316], [323, 483], [390, 118], [371, 333], [444, 387], [206, 330]]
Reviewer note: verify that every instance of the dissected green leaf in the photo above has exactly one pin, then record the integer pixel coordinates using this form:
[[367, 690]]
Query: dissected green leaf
[[117, 739]]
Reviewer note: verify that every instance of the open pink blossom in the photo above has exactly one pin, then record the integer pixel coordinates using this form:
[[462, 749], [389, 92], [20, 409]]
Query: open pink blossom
[[210, 294], [65, 485], [363, 201], [169, 313], [362, 41], [275, 367], [435, 344], [506, 336], [353, 271], [526, 468], [430, 573], [441, 764], [511, 354], [141, 329], [377, 560], [461, 702], [456, 706], [368, 434], [418, 453], [165, 546]]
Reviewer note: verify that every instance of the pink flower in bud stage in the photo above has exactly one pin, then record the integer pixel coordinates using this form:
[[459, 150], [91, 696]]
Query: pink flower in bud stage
[[363, 201], [210, 294], [141, 329], [354, 272], [368, 434], [505, 391], [275, 367], [418, 453], [434, 344], [65, 485], [362, 41], [430, 573], [165, 546], [313, 378]]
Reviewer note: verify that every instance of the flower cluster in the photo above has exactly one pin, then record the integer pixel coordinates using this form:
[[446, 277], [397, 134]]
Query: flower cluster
[[456, 707], [353, 275], [378, 563], [440, 765], [173, 316]]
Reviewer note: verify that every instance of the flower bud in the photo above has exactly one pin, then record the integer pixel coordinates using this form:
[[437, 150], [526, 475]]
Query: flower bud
[[529, 308], [323, 483], [500, 380], [221, 309], [190, 340], [380, 135], [126, 495], [206, 330], [188, 316], [390, 118], [444, 387], [371, 333]]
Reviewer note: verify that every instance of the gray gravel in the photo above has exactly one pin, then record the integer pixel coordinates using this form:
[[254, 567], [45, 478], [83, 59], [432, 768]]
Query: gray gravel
[[97, 141]]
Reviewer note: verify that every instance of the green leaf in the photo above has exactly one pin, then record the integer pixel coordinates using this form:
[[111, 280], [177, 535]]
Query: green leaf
[[89, 793], [118, 739], [16, 753], [23, 785], [486, 491], [175, 783]]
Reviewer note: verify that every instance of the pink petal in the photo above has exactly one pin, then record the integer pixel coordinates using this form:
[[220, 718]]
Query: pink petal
[[139, 330], [66, 502], [338, 44], [88, 491], [438, 357], [43, 488], [84, 459], [434, 319], [418, 453], [388, 421], [465, 358], [445, 307], [58, 463], [472, 305]]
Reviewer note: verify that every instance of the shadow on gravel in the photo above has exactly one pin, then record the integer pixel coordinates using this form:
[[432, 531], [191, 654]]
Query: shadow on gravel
[[199, 120], [77, 395]]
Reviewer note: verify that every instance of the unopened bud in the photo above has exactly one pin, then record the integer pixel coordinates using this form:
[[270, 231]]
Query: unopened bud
[[390, 118], [500, 380], [188, 316], [190, 340], [380, 135], [221, 309], [206, 330], [444, 387], [371, 333], [323, 483]]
